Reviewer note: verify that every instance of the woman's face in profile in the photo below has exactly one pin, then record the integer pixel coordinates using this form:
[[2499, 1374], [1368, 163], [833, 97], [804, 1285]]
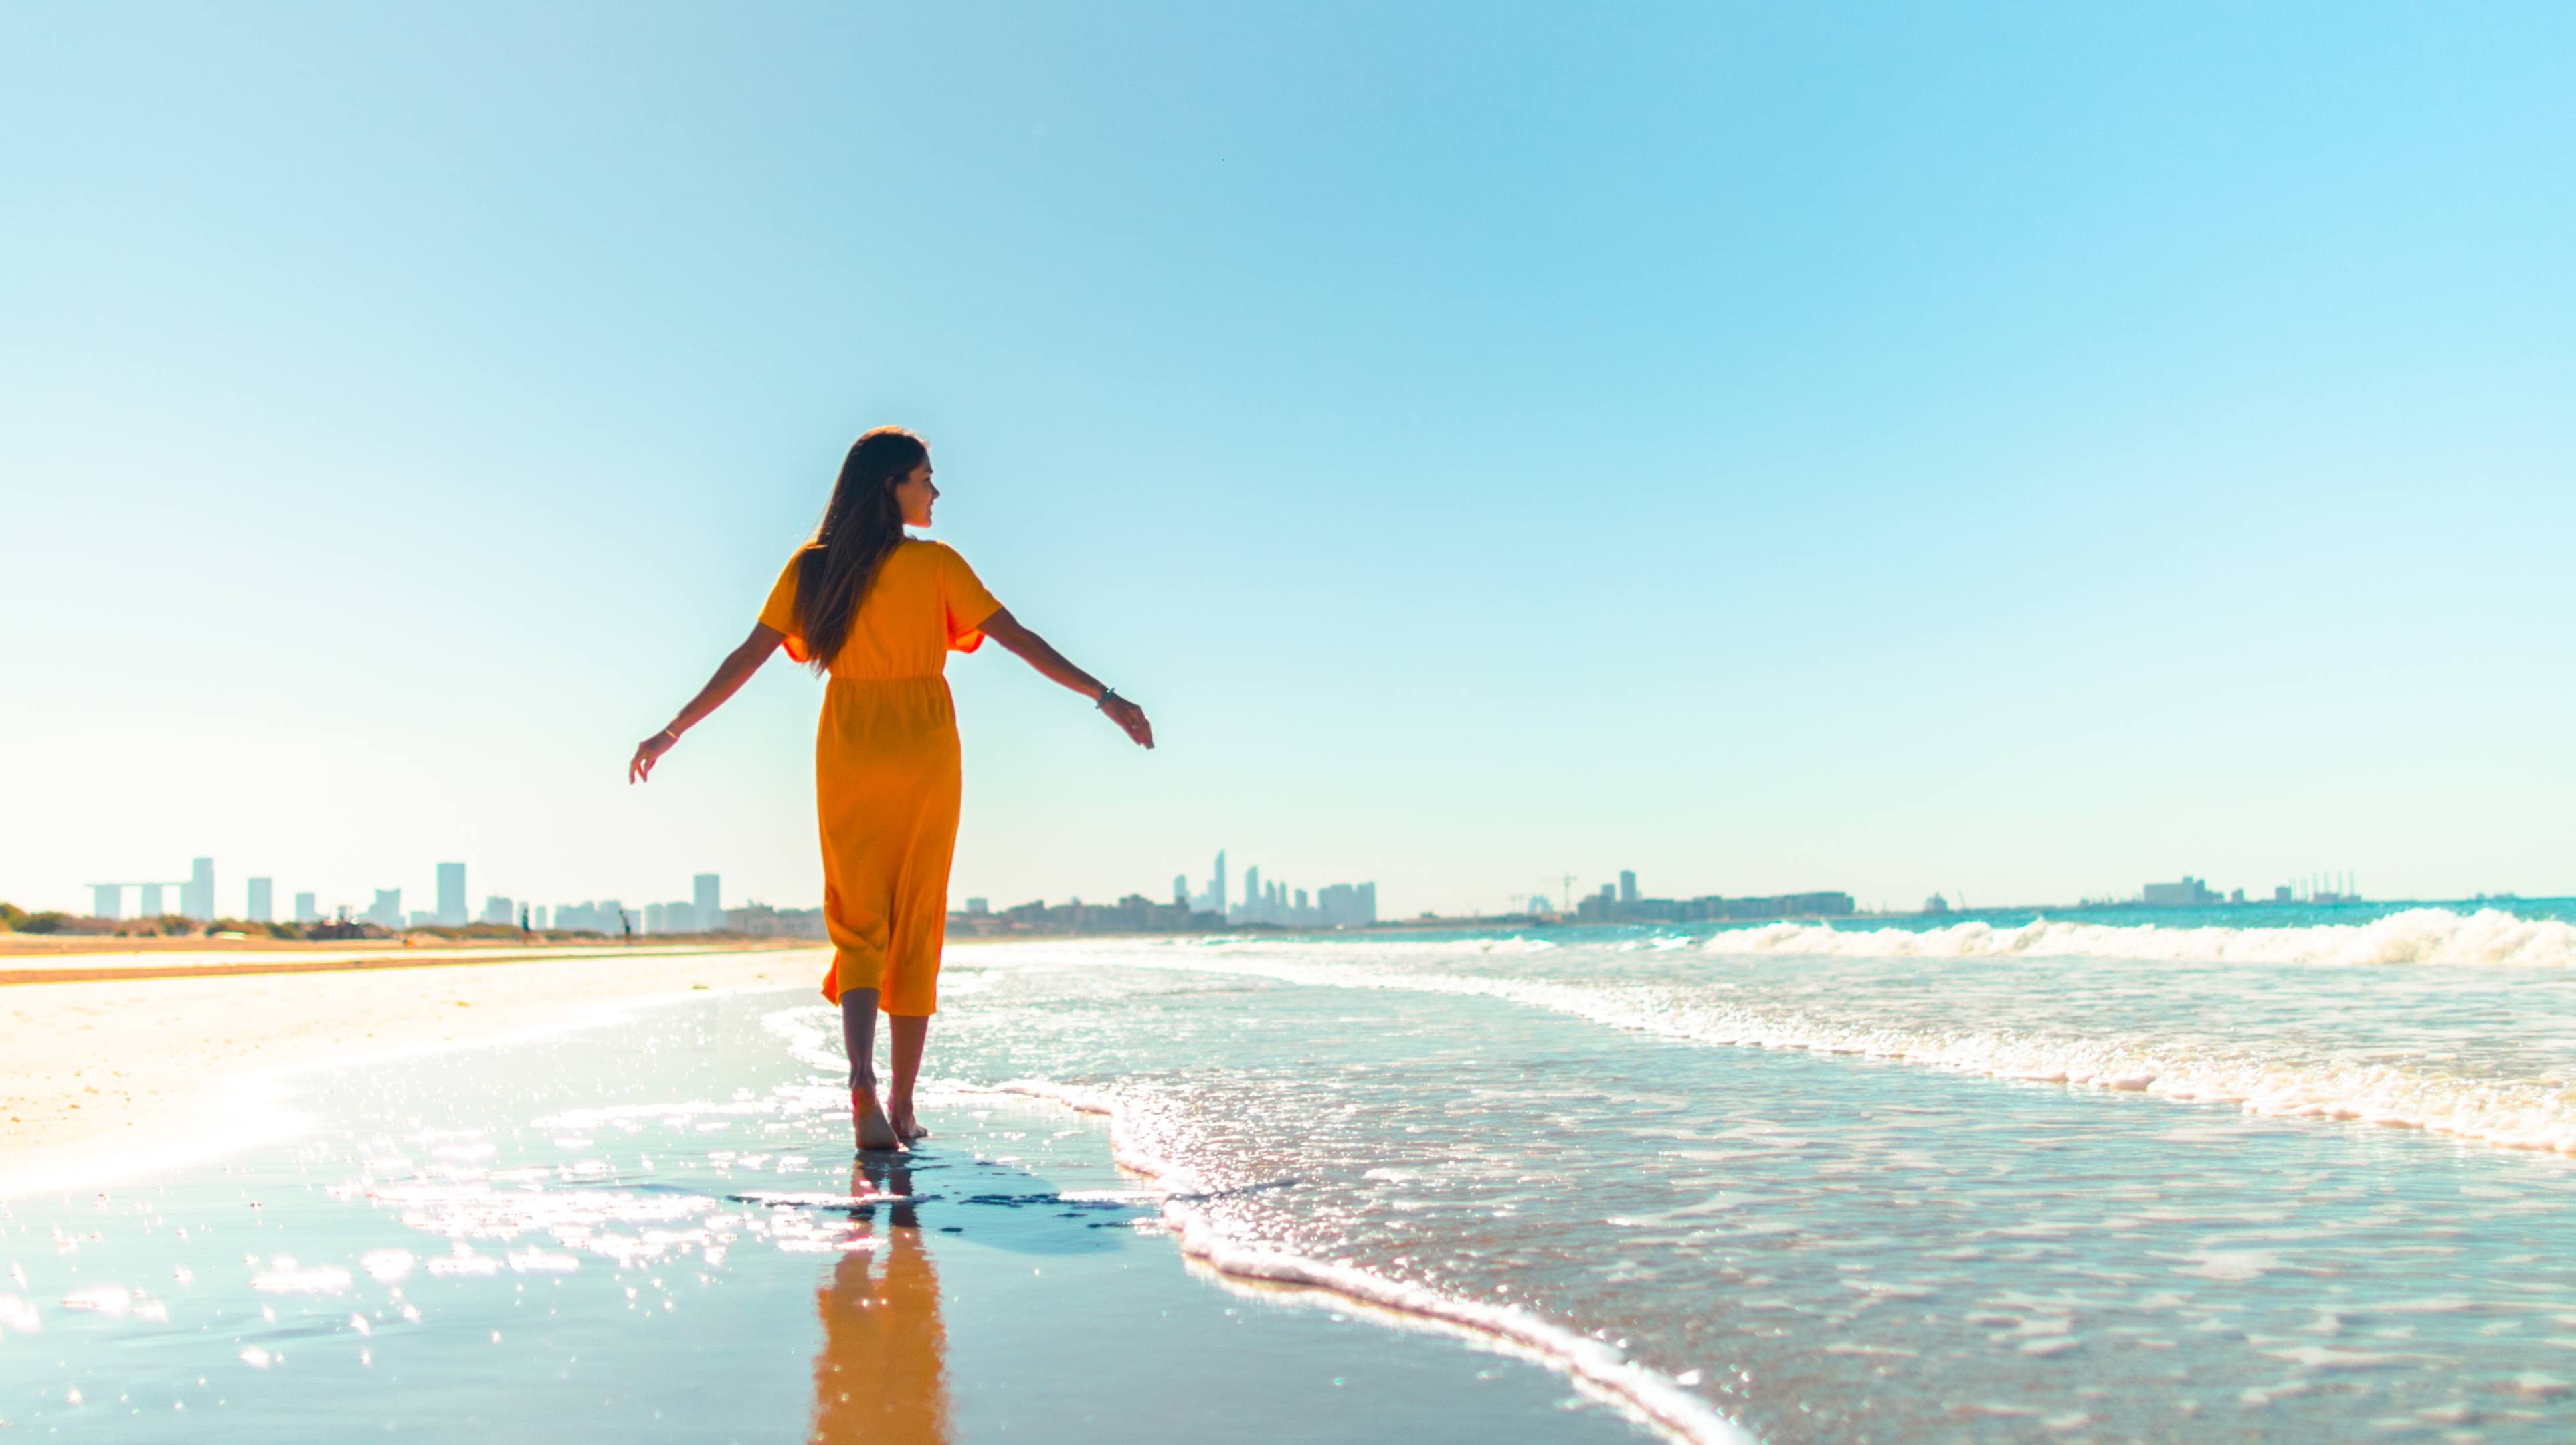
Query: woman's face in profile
[[915, 494]]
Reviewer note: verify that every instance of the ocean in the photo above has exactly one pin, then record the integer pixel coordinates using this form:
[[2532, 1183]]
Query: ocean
[[2254, 1174]]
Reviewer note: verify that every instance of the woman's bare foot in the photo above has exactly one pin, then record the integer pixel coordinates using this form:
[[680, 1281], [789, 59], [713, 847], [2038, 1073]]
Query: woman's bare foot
[[906, 1126], [875, 1130]]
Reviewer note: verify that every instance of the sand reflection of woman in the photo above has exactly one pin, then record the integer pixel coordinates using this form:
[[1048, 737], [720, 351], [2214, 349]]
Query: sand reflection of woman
[[882, 1375], [878, 612]]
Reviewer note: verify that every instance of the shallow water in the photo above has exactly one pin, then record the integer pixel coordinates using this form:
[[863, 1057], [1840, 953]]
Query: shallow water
[[654, 1230], [2215, 1182], [1864, 1226]]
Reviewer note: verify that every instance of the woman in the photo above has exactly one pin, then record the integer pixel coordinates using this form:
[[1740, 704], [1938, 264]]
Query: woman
[[878, 612]]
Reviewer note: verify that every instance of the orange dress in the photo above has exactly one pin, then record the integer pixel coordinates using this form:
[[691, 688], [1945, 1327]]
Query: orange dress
[[886, 769]]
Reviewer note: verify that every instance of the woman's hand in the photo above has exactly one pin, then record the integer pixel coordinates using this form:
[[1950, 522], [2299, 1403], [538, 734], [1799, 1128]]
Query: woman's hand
[[1131, 717], [649, 752]]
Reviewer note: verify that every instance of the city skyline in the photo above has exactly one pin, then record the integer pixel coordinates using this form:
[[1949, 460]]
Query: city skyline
[[1274, 902]]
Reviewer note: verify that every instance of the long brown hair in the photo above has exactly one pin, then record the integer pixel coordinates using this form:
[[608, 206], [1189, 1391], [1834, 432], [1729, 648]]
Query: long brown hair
[[859, 531]]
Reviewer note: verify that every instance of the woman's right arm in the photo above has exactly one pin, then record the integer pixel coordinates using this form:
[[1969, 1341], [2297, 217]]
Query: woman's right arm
[[731, 674]]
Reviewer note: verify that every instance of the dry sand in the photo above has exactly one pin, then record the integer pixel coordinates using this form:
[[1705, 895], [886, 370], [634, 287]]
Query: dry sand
[[108, 1077]]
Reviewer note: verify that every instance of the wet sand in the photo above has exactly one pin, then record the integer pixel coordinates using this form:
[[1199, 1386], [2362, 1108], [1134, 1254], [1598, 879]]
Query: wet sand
[[650, 1228], [126, 1070]]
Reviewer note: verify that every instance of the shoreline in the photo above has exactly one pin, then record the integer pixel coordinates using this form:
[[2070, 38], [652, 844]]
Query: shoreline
[[1646, 1397], [984, 1298], [198, 1057]]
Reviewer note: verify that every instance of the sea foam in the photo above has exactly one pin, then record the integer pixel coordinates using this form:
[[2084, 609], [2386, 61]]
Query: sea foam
[[2287, 1072], [1597, 1367], [2416, 935]]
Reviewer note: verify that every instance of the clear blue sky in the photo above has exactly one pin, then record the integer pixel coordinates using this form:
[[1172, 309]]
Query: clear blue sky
[[2020, 449]]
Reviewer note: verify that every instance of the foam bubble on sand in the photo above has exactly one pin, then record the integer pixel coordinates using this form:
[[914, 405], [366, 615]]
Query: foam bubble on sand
[[284, 1276], [105, 1299]]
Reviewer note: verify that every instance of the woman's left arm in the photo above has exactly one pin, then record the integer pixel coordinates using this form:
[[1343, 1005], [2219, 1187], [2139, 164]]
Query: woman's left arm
[[1037, 652]]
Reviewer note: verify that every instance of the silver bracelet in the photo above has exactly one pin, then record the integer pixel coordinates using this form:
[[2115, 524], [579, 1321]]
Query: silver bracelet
[[1102, 701]]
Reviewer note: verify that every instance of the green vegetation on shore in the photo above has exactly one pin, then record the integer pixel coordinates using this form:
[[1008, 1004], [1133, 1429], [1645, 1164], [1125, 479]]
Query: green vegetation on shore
[[14, 919]]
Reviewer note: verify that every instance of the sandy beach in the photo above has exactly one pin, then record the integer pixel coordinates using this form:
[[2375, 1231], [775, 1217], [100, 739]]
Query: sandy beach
[[123, 1068], [238, 1242]]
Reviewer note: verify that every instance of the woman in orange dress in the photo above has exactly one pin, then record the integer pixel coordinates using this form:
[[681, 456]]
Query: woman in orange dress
[[878, 612]]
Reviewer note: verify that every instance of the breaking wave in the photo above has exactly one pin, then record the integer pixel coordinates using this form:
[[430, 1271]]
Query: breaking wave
[[2417, 935]]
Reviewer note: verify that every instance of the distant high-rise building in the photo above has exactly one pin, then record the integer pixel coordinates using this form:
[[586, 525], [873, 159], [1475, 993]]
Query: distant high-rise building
[[147, 900], [1181, 889], [1252, 887], [451, 894], [1345, 905], [1301, 900], [1541, 903], [1627, 885], [106, 900], [257, 907], [388, 910], [305, 912], [197, 895], [1216, 886], [2189, 893], [657, 918], [540, 912], [497, 910], [709, 897], [978, 907]]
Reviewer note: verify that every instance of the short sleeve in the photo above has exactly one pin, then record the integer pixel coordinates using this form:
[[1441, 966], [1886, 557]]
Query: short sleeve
[[779, 612], [963, 600]]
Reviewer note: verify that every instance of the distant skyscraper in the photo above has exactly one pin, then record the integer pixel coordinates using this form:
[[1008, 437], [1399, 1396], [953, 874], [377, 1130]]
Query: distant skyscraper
[[710, 901], [257, 907], [1345, 905], [497, 910], [1627, 885], [305, 912], [1252, 887], [1216, 885], [451, 895], [1181, 889], [106, 900], [197, 895], [147, 900], [388, 910], [978, 907]]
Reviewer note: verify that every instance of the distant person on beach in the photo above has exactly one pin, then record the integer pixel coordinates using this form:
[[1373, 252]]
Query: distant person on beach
[[878, 612]]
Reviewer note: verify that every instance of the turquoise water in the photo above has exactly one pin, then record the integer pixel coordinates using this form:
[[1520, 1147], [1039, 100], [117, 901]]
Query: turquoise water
[[2249, 1178], [2081, 1181]]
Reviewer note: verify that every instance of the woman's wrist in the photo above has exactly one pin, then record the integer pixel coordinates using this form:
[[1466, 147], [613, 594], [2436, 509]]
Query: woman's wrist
[[1102, 701]]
